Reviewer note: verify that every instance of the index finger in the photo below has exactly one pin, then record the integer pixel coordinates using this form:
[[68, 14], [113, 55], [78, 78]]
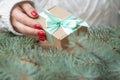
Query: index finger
[[29, 10]]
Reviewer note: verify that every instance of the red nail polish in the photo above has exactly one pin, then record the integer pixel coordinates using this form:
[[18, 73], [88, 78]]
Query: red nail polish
[[34, 13], [37, 26], [42, 38], [41, 33]]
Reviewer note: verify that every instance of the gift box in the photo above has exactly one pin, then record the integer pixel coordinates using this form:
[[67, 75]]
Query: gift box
[[59, 24]]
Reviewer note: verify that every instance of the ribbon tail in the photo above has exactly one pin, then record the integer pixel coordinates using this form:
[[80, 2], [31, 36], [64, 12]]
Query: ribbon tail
[[70, 26], [84, 24]]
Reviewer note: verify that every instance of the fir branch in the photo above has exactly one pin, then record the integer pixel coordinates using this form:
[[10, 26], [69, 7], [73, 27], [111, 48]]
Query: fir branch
[[11, 68], [95, 56]]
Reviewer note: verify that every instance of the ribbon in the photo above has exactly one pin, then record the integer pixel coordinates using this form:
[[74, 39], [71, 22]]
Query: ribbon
[[69, 24]]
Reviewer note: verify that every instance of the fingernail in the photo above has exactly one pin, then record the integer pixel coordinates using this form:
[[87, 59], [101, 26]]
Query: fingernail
[[41, 33], [34, 13], [42, 38], [37, 26]]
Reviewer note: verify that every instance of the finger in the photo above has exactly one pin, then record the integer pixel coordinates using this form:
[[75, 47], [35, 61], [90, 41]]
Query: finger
[[40, 38], [26, 30], [29, 9], [34, 37], [23, 18], [34, 33], [15, 23]]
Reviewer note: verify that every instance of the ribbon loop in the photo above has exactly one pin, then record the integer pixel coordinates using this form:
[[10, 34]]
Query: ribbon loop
[[69, 24]]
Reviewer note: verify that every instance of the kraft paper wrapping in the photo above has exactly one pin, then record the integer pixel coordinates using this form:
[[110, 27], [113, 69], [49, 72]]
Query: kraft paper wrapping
[[59, 38]]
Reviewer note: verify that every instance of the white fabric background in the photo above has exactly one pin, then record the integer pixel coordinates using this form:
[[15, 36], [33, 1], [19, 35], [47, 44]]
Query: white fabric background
[[95, 12]]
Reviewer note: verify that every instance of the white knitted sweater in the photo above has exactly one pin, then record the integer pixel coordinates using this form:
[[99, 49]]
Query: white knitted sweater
[[94, 12]]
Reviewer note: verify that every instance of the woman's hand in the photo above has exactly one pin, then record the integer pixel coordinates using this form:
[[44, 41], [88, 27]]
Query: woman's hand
[[22, 19]]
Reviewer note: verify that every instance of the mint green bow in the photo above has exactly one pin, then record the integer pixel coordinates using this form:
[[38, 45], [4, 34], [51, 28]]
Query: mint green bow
[[68, 24]]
